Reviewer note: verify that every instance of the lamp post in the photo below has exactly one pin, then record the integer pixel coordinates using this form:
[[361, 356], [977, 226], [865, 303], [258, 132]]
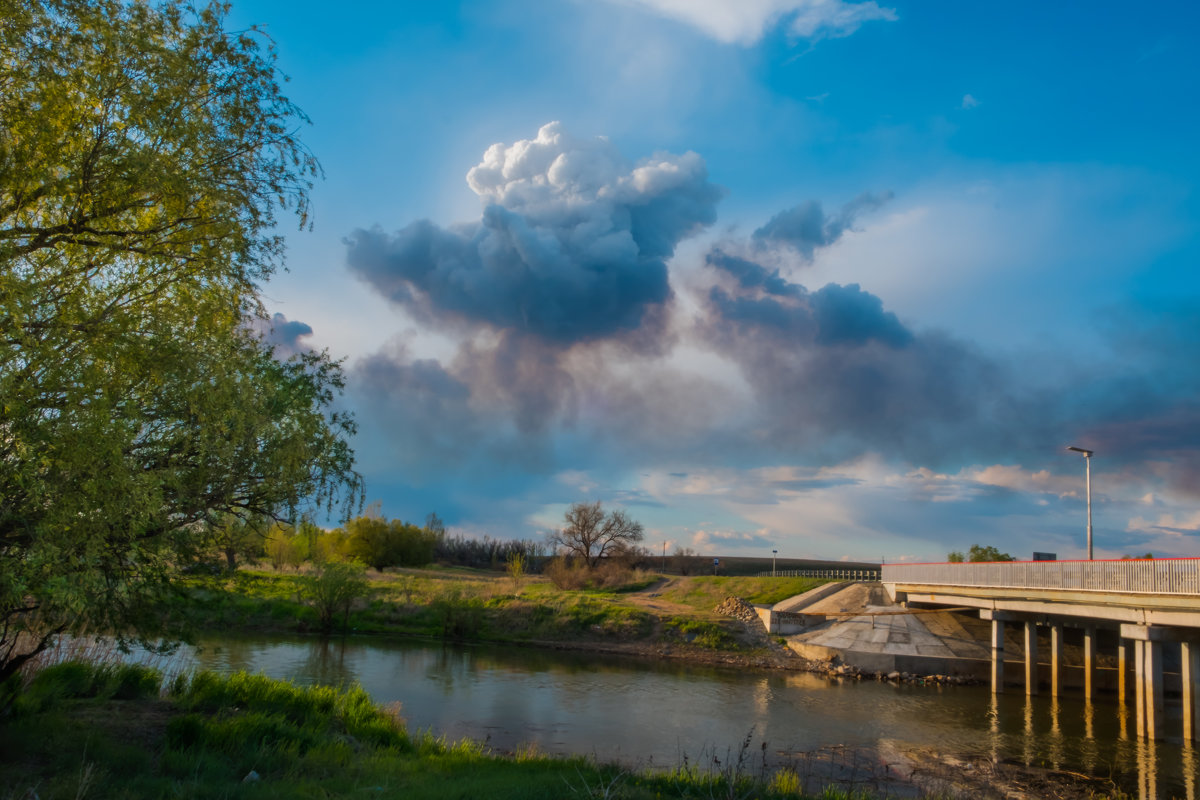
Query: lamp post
[[773, 552], [1087, 459]]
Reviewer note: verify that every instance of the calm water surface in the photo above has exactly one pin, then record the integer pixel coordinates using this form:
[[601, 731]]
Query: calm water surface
[[649, 713]]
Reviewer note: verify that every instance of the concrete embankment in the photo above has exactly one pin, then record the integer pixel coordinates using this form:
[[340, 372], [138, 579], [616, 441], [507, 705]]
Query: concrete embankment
[[857, 625]]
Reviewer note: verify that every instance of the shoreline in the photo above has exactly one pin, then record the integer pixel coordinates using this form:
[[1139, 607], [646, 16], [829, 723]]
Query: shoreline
[[888, 769]]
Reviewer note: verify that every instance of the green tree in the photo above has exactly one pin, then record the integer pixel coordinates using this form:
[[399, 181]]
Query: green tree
[[979, 552], [144, 154], [955, 557], [371, 540], [283, 546], [590, 534], [237, 537]]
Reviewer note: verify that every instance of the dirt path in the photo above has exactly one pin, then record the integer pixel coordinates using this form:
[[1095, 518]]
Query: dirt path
[[649, 599]]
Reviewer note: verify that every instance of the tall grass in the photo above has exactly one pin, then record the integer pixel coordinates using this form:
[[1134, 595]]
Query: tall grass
[[83, 730]]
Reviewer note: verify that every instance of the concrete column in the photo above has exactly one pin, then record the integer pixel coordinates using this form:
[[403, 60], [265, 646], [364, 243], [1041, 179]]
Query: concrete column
[[1139, 684], [1031, 656], [1056, 643], [1152, 689], [1190, 673], [1089, 660], [1122, 670], [997, 656]]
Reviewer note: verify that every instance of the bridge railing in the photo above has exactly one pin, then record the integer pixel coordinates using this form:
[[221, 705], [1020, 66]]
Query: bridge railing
[[1156, 576], [839, 574]]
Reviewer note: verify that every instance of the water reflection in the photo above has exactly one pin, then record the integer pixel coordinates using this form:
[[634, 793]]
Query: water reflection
[[1190, 768], [657, 713]]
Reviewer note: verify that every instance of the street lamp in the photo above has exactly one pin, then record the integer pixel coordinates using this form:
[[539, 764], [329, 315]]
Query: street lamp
[[773, 552], [1087, 459]]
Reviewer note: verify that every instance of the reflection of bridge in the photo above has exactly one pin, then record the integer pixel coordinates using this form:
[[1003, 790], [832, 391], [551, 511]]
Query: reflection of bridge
[[1139, 607]]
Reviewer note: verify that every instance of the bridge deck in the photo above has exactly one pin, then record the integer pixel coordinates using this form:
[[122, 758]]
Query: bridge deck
[[1160, 576]]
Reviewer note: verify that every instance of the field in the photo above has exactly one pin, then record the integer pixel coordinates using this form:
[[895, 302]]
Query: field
[[644, 610]]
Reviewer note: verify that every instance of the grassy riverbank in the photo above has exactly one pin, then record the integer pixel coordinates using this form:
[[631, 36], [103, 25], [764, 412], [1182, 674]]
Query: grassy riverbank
[[646, 611], [83, 731]]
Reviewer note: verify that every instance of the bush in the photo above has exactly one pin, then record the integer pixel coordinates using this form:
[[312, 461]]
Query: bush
[[460, 617], [568, 573], [78, 679], [516, 569], [333, 590]]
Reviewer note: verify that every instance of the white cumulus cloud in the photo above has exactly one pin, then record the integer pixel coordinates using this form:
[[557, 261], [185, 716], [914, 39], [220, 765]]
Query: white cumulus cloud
[[746, 21]]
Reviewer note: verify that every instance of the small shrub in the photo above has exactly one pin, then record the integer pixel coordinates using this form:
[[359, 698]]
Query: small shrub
[[611, 574], [567, 574], [334, 589], [460, 617], [515, 568]]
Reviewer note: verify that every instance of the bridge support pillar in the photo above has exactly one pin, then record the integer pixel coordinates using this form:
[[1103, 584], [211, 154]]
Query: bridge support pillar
[[1190, 673], [1139, 685], [1122, 671], [1148, 662], [997, 656], [1154, 690], [1031, 657], [1056, 643], [1089, 660]]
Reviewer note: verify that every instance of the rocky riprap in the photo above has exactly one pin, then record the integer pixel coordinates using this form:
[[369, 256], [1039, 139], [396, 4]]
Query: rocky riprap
[[738, 608], [829, 667]]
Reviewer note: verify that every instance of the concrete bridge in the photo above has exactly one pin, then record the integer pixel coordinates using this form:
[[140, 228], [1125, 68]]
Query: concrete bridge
[[1136, 607]]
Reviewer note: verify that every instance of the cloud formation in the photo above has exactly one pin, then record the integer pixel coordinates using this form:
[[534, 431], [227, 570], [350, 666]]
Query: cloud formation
[[720, 541], [806, 227], [571, 246], [832, 371], [572, 350], [282, 334], [747, 21]]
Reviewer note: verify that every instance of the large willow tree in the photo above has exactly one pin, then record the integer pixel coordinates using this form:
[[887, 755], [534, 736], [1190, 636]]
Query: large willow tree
[[145, 152]]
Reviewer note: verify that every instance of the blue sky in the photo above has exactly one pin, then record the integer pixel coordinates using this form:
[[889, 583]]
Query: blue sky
[[838, 279]]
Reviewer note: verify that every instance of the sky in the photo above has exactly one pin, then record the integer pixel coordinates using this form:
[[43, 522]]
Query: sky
[[837, 279]]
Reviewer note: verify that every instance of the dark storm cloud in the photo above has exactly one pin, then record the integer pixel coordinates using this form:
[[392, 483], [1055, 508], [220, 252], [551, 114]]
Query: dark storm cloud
[[423, 408], [430, 421], [832, 315], [282, 334], [1141, 412], [833, 371], [807, 227], [570, 247]]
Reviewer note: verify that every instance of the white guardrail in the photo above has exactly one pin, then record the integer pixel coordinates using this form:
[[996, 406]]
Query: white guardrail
[[1156, 576], [840, 574]]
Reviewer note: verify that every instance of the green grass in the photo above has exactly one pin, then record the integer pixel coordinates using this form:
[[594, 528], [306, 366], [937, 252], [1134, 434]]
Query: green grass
[[449, 603], [704, 592], [474, 605], [84, 737], [703, 634]]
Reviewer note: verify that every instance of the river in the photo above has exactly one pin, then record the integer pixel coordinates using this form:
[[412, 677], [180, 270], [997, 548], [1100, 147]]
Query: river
[[661, 714]]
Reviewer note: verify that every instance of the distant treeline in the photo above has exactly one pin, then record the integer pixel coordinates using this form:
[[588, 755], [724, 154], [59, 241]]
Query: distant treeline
[[381, 543], [375, 541]]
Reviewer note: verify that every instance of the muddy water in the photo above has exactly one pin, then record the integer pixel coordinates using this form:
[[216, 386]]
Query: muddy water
[[661, 714]]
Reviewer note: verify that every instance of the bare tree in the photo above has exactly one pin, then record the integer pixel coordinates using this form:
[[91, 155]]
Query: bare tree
[[591, 534]]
